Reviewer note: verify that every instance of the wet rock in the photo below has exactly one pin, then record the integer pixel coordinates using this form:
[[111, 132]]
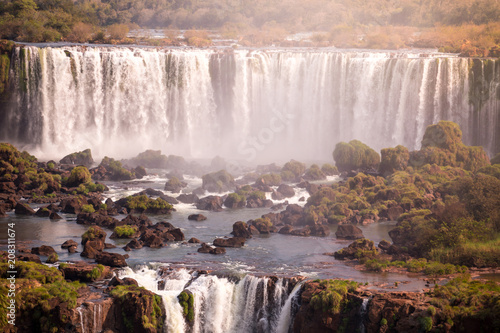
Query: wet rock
[[111, 259], [320, 230], [286, 230], [194, 241], [73, 205], [230, 242], [29, 257], [24, 209], [68, 244], [133, 244], [384, 245], [43, 250], [277, 196], [306, 231], [286, 190], [150, 239], [205, 248], [79, 158], [240, 229], [116, 281], [95, 238], [197, 217], [211, 203], [174, 185], [72, 249], [218, 250], [220, 181], [188, 198], [348, 231], [84, 272], [55, 216], [43, 212], [361, 245], [89, 251]]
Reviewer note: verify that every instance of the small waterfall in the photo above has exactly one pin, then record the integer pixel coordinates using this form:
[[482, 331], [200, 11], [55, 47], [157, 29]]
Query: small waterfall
[[221, 304], [254, 105], [363, 310], [285, 320], [82, 312]]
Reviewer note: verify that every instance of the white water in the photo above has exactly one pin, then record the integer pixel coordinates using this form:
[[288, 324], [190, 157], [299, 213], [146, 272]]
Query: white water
[[220, 304], [285, 318], [252, 105]]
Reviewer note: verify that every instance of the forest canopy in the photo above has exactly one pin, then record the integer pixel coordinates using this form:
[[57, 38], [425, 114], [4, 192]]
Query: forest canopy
[[53, 20]]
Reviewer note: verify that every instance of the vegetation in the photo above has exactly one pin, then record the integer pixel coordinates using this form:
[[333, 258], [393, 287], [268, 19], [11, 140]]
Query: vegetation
[[332, 295], [186, 300], [355, 155], [125, 231], [38, 289], [292, 170], [79, 175], [116, 170], [142, 203]]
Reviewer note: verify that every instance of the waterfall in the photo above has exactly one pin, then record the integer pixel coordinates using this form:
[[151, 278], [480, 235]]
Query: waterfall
[[285, 319], [221, 304], [253, 105], [362, 315]]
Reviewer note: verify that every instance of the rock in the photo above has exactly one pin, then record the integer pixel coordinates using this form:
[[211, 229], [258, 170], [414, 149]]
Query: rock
[[79, 158], [72, 249], [89, 251], [240, 229], [286, 230], [194, 241], [174, 185], [314, 173], [394, 212], [205, 248], [150, 239], [73, 205], [220, 181], [169, 199], [133, 244], [348, 231], [43, 250], [230, 242], [188, 198], [68, 244], [84, 272], [350, 252], [384, 245], [320, 230], [8, 187], [24, 209], [55, 216], [355, 155], [211, 203], [197, 217], [199, 191], [306, 231], [95, 236], [29, 257], [43, 212], [108, 246], [218, 250], [394, 159], [177, 234], [286, 190], [116, 281], [277, 196], [111, 259], [140, 172]]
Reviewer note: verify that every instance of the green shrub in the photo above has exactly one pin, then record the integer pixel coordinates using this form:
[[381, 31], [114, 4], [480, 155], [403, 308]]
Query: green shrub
[[125, 231], [88, 209], [333, 293], [79, 175], [355, 155], [383, 322]]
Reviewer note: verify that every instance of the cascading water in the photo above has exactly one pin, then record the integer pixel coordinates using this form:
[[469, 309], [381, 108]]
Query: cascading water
[[250, 105], [221, 304]]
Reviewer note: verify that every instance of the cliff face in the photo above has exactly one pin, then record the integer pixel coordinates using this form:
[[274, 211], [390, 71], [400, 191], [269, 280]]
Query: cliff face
[[436, 310]]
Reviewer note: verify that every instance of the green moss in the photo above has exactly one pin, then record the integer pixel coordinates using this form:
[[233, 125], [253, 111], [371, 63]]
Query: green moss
[[88, 209], [79, 175], [314, 173], [143, 203], [125, 231], [383, 322], [116, 170], [186, 300], [329, 170], [272, 179], [355, 155], [295, 167], [235, 200]]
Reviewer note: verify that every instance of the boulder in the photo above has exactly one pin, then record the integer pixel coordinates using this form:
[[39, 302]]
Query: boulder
[[286, 190], [72, 205], [150, 239], [29, 257], [286, 230], [43, 212], [68, 244], [384, 245], [43, 250], [211, 203], [174, 185], [348, 231], [111, 259], [277, 196], [95, 236], [240, 229], [320, 230], [205, 248], [88, 251], [230, 242], [306, 231], [84, 272], [197, 217], [188, 198], [220, 181], [55, 216], [24, 209], [79, 158], [194, 241], [363, 245], [133, 244]]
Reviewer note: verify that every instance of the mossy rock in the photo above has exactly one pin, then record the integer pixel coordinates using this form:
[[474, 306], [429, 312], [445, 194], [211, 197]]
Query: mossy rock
[[219, 181], [314, 173], [79, 158], [79, 175], [355, 155], [444, 135], [394, 159], [115, 169], [295, 167]]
